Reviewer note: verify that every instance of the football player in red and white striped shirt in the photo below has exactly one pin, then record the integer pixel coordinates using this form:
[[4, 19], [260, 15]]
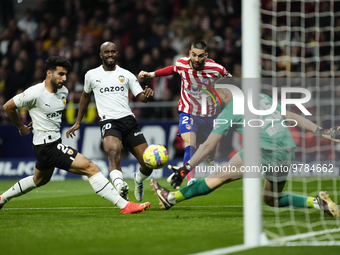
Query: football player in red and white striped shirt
[[198, 74]]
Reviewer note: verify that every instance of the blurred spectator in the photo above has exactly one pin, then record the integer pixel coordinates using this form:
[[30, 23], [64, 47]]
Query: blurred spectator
[[38, 51], [180, 40], [43, 30], [26, 43], [107, 35], [28, 24], [184, 53], [18, 79], [14, 51], [94, 29], [77, 60], [65, 49], [129, 60], [158, 31], [141, 28], [5, 41], [38, 76], [142, 48], [53, 39], [156, 56], [180, 22], [14, 30], [66, 29]]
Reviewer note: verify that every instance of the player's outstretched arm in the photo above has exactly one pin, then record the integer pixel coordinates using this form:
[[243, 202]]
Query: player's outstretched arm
[[143, 75], [330, 134], [169, 70], [11, 111], [83, 104], [302, 122]]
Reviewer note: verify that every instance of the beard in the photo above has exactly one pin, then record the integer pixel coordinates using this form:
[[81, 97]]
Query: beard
[[109, 65], [55, 85], [199, 65]]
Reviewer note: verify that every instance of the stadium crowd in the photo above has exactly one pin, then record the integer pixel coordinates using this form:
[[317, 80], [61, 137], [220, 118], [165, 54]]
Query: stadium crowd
[[148, 34]]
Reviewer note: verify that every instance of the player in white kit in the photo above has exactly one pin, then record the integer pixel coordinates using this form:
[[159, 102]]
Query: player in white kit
[[111, 84], [45, 102]]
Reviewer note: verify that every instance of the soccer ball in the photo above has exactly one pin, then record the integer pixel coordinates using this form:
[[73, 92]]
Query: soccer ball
[[155, 156]]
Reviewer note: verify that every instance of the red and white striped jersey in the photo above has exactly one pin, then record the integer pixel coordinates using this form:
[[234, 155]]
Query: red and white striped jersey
[[196, 83]]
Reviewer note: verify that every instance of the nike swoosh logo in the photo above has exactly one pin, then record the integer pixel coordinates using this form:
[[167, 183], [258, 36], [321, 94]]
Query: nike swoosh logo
[[161, 197]]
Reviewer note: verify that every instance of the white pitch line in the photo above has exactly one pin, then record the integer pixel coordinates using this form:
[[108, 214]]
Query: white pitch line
[[102, 207]]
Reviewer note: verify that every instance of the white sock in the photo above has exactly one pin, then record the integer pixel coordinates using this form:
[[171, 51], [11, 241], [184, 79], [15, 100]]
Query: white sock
[[20, 188], [116, 177], [104, 188], [316, 204], [141, 177], [172, 198]]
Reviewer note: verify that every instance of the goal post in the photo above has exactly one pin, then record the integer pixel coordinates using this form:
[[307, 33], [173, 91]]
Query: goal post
[[251, 71]]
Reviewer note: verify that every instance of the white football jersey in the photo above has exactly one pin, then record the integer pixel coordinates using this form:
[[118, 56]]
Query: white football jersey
[[111, 91], [45, 109]]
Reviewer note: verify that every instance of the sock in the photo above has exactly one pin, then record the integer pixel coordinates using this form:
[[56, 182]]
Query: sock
[[198, 188], [104, 188], [312, 202], [290, 199], [191, 175], [116, 177], [188, 152], [140, 177], [20, 188]]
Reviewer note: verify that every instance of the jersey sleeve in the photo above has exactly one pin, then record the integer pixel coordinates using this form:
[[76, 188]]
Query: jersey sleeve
[[169, 70], [225, 73], [87, 86], [134, 85], [27, 98]]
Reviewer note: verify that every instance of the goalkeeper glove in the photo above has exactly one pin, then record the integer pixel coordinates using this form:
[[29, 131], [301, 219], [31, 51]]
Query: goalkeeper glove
[[330, 134], [179, 174]]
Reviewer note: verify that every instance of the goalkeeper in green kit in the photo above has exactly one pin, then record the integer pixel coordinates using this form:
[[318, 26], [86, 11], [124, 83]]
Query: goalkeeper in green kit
[[277, 148]]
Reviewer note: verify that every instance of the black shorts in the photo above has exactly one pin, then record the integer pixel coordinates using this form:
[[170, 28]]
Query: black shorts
[[125, 129], [54, 154]]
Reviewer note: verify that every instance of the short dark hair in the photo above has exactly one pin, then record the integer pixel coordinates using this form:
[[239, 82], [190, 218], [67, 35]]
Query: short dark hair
[[199, 44], [52, 62]]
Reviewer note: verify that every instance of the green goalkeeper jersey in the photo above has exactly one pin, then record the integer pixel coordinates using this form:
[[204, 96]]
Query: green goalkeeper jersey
[[274, 133]]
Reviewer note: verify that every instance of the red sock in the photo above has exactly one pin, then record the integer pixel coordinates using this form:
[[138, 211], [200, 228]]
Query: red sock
[[191, 174]]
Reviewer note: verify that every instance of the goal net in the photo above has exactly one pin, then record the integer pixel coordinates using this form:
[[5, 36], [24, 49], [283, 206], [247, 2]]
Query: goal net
[[300, 47]]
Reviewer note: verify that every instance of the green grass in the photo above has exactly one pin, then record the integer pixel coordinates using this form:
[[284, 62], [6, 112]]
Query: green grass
[[68, 218]]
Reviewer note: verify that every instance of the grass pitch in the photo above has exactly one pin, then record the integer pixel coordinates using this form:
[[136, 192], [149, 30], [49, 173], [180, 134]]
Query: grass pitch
[[68, 218]]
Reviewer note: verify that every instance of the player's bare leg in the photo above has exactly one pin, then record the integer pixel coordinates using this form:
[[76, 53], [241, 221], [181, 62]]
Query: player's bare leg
[[112, 147], [143, 173]]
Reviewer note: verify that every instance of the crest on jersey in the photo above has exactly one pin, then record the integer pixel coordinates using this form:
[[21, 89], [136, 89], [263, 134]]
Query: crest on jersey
[[206, 81], [22, 95], [70, 152], [64, 102], [121, 78]]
